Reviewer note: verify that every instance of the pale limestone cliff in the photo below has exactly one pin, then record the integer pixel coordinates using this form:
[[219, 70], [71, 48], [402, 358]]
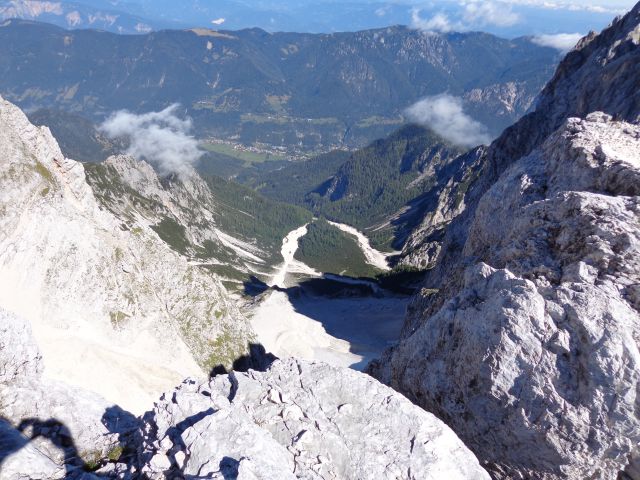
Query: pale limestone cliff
[[113, 308]]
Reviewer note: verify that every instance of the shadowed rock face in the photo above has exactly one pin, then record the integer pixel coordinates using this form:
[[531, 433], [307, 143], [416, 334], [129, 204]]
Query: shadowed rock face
[[530, 349]]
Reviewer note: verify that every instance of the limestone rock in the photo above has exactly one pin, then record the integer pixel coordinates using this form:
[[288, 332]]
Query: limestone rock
[[240, 425], [535, 361], [48, 429], [112, 307]]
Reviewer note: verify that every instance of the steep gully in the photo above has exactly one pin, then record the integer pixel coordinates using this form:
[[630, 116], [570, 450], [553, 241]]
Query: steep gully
[[346, 332]]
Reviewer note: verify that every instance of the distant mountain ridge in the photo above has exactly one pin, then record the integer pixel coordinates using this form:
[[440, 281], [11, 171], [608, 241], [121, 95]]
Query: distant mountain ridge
[[103, 15], [123, 16], [305, 92]]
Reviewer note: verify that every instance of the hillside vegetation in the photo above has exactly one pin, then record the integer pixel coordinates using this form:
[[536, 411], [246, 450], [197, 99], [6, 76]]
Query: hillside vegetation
[[368, 188], [330, 250]]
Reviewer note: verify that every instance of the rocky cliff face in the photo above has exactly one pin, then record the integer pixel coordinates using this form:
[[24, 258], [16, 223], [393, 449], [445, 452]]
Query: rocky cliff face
[[525, 337], [182, 210], [112, 307], [437, 208]]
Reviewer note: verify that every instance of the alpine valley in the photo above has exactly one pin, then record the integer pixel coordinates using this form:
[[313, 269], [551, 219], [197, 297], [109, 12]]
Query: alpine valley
[[250, 255]]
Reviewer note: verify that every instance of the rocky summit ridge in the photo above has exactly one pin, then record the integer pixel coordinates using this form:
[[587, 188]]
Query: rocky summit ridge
[[296, 420], [525, 337]]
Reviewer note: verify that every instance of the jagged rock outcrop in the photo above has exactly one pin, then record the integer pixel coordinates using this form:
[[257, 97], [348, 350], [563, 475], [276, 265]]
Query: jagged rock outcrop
[[299, 420], [525, 338], [113, 308], [444, 202], [601, 74]]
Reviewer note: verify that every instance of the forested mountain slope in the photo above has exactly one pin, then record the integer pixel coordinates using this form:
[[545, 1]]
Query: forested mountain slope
[[384, 189]]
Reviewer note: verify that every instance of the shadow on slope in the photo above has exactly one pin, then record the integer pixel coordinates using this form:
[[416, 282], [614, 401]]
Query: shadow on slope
[[257, 359], [367, 313], [75, 464], [127, 454]]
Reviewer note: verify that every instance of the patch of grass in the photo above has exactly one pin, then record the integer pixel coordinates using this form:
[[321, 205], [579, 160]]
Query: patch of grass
[[286, 120], [227, 271], [211, 249], [225, 349], [246, 156], [45, 191], [376, 120], [44, 172], [173, 234], [118, 318], [92, 460], [277, 102], [115, 453], [109, 188]]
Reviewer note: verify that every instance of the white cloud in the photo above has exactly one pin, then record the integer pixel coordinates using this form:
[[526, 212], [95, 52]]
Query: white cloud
[[162, 138], [143, 28], [561, 41], [464, 15], [473, 14], [489, 13], [444, 114], [438, 23], [612, 7], [219, 21]]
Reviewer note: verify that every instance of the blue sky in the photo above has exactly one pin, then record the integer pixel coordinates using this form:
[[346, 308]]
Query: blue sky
[[508, 18]]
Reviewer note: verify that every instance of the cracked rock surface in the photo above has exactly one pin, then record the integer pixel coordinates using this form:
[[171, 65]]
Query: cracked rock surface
[[299, 420]]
